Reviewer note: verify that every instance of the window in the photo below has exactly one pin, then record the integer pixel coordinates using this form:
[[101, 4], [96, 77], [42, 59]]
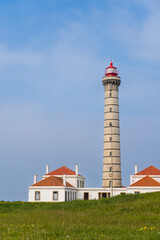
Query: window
[[37, 195], [72, 195], [110, 154], [110, 184], [104, 195], [110, 86], [136, 192], [123, 193], [55, 195], [99, 195], [110, 109], [110, 95], [65, 195], [82, 184], [110, 139], [68, 196], [110, 169], [110, 124], [75, 195], [77, 183]]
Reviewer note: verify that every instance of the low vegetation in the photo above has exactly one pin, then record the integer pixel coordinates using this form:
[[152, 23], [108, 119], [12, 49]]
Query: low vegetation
[[124, 217]]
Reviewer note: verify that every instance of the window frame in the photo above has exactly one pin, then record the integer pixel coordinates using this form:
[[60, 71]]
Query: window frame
[[39, 196], [53, 196], [108, 195], [110, 184], [78, 183]]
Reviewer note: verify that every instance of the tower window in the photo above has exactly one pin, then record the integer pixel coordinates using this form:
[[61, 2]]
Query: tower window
[[110, 109], [110, 169], [110, 94], [110, 124], [110, 86], [110, 154], [110, 139]]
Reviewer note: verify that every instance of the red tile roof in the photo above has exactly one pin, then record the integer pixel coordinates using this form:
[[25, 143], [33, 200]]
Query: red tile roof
[[149, 171], [52, 181], [61, 171], [146, 182]]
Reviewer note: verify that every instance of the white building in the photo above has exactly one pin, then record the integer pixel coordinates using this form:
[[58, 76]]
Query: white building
[[63, 184], [147, 180]]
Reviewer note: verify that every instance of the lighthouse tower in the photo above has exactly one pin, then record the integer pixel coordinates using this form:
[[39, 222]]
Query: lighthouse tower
[[111, 153]]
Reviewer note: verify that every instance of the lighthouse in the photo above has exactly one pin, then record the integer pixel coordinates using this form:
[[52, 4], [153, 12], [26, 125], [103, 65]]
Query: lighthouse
[[111, 151]]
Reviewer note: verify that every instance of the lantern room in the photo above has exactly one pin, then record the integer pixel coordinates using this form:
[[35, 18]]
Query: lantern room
[[111, 70]]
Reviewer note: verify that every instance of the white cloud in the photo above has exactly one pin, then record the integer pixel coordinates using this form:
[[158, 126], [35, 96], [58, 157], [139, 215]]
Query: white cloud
[[139, 37], [19, 57]]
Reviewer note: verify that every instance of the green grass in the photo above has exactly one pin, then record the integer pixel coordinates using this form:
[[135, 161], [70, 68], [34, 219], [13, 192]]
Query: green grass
[[124, 217]]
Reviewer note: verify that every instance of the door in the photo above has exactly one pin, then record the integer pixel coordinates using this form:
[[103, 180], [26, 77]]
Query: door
[[86, 196]]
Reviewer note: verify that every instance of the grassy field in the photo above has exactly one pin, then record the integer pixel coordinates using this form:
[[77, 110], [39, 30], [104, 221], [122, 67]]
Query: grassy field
[[122, 217]]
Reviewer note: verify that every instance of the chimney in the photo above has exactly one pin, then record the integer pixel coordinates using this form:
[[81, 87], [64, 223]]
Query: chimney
[[35, 178], [64, 179], [135, 169], [76, 169], [47, 169]]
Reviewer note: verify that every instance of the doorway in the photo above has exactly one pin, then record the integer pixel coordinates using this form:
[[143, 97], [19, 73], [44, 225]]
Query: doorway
[[86, 195]]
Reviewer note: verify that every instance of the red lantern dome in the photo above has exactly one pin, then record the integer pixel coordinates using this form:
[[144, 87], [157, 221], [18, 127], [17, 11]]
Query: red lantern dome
[[111, 70]]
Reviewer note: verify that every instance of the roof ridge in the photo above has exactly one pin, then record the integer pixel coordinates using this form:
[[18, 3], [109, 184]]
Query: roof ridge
[[69, 169], [57, 179], [150, 168]]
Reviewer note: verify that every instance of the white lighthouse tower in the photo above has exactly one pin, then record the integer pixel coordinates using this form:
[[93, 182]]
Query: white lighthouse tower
[[111, 153]]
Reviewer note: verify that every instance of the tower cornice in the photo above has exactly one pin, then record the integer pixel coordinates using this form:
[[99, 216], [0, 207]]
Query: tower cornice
[[111, 79]]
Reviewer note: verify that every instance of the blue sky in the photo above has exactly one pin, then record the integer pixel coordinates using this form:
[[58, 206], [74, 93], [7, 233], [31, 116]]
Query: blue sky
[[52, 60]]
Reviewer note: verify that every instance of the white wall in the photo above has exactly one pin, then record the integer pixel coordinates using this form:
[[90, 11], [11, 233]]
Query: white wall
[[132, 190], [73, 179], [93, 192], [46, 194]]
